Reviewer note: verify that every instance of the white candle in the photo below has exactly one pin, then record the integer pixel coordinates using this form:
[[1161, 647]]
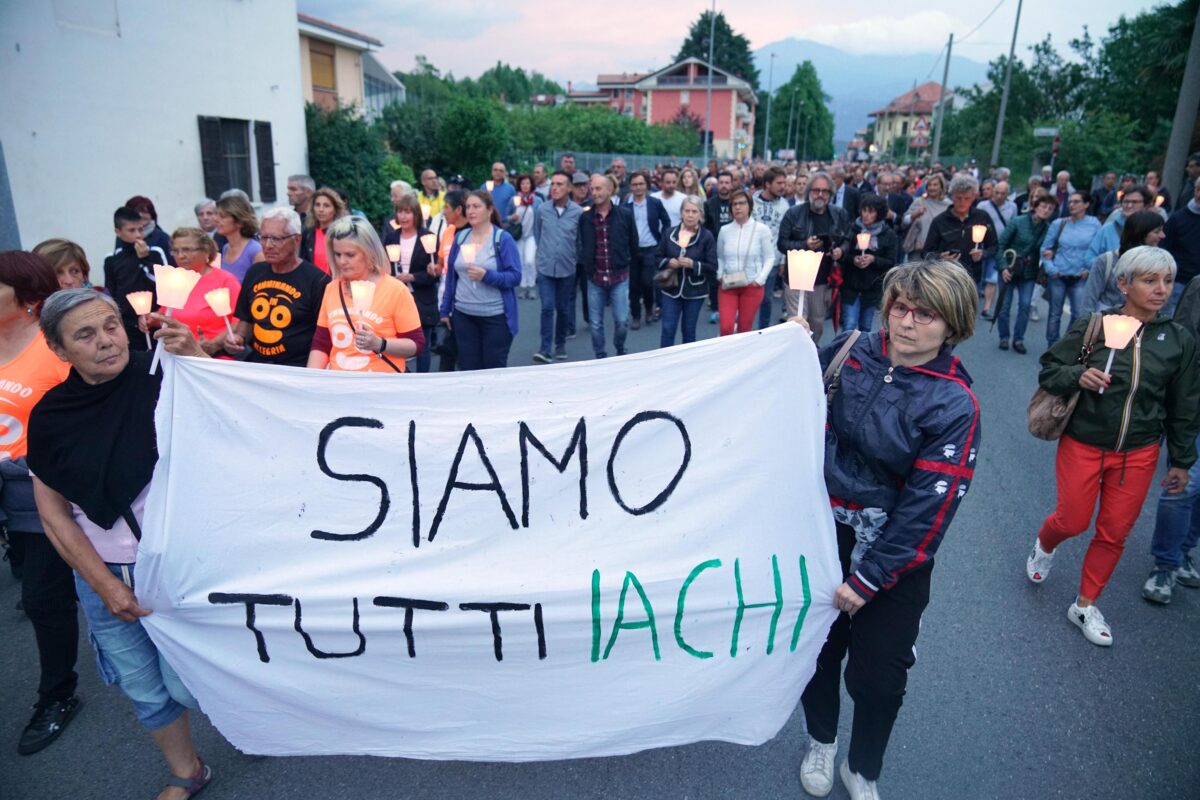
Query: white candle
[[468, 252], [864, 242], [429, 242], [802, 269], [174, 284], [490, 185], [142, 302], [685, 238], [978, 233], [218, 301], [361, 294], [393, 252], [1119, 330]]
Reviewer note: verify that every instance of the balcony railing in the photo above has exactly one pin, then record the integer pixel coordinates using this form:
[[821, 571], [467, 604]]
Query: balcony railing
[[685, 80]]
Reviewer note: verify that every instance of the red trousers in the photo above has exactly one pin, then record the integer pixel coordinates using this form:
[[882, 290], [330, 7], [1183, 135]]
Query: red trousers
[[739, 306], [1121, 481]]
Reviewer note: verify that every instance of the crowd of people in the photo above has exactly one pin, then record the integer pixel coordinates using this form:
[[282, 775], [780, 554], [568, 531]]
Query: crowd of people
[[910, 258]]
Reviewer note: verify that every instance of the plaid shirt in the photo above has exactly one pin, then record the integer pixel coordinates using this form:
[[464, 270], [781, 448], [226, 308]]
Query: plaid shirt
[[604, 274]]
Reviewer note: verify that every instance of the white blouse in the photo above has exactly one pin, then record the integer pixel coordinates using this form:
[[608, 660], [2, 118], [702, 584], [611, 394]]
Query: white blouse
[[746, 248]]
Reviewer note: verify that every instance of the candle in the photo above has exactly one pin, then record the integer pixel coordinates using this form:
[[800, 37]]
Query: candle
[[468, 251], [1119, 196], [1119, 330], [1158, 201], [218, 301], [173, 284], [361, 294], [685, 238], [864, 242], [978, 232], [142, 302], [490, 185], [393, 252], [802, 269], [429, 242]]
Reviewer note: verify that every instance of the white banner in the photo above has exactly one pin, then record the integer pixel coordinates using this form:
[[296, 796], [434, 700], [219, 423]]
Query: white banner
[[535, 563]]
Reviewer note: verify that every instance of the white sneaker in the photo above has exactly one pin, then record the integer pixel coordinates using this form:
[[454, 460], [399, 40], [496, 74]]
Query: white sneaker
[[816, 771], [859, 787], [1037, 566], [1091, 622]]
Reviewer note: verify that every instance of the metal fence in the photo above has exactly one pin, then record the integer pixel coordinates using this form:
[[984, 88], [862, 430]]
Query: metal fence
[[520, 162]]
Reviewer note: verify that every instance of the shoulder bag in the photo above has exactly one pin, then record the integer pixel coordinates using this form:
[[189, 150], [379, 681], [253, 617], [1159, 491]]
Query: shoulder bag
[[1048, 413], [833, 373]]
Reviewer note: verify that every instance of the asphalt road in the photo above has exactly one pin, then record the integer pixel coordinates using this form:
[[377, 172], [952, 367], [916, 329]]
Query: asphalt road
[[1007, 699]]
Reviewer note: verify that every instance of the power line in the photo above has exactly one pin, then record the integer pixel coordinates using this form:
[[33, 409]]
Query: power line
[[982, 22]]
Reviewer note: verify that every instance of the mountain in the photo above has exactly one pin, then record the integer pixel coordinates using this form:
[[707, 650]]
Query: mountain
[[859, 84]]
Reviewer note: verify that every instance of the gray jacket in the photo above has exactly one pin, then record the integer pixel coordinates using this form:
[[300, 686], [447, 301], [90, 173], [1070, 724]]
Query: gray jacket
[[555, 235]]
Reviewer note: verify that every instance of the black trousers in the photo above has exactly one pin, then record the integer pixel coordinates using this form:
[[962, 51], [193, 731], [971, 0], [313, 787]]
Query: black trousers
[[48, 595], [641, 282], [880, 640]]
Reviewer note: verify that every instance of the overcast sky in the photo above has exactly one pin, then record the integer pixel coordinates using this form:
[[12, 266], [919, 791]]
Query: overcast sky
[[575, 41]]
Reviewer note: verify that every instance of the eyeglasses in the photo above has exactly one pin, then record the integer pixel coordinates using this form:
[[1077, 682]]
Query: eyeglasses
[[276, 239], [1134, 201], [184, 251], [921, 316], [819, 191]]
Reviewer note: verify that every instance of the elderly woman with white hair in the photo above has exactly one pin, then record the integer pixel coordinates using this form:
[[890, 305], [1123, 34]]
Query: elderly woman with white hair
[[1110, 448]]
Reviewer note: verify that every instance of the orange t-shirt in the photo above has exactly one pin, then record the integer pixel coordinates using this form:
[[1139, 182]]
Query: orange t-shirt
[[23, 381], [393, 312]]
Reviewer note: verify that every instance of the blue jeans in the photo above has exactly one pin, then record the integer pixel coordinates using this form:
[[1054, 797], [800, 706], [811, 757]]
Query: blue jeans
[[1177, 525], [557, 296], [764, 309], [483, 342], [673, 310], [128, 659], [1024, 293], [598, 297], [857, 315], [425, 357], [1059, 290]]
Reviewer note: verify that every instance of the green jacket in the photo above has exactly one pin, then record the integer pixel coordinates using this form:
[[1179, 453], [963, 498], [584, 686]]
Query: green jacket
[[1155, 383], [1024, 235]]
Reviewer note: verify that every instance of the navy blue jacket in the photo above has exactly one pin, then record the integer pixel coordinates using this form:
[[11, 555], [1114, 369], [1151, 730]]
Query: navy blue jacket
[[656, 216], [907, 445]]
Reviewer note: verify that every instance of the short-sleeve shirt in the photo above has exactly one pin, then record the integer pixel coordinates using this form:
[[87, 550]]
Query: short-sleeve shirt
[[393, 312], [23, 381], [282, 312], [197, 314]]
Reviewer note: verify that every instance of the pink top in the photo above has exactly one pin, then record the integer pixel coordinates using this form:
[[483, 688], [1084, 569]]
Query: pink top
[[197, 315], [117, 545]]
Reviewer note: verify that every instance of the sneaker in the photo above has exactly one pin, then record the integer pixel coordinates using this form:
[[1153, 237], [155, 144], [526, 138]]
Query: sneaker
[[1037, 566], [1004, 344], [1034, 315], [1091, 622], [1157, 588], [560, 355], [541, 357], [858, 787], [635, 324], [816, 771], [572, 335], [713, 317], [1019, 347], [47, 724], [1187, 574]]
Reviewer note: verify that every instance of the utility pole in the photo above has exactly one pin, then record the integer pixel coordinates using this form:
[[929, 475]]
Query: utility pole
[[712, 36], [937, 134], [912, 108], [805, 137], [1185, 118], [791, 108], [1012, 49], [770, 95]]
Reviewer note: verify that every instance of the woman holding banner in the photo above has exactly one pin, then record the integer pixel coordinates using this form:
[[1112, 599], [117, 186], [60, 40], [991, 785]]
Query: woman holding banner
[[901, 440], [92, 450]]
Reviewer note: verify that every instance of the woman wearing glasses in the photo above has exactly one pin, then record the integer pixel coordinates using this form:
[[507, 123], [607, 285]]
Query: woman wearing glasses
[[902, 436], [1066, 261], [193, 249]]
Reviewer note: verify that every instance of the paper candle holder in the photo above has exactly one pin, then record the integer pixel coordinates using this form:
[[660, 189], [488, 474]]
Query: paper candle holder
[[685, 238], [393, 252], [142, 302], [429, 242], [490, 185], [174, 284], [468, 252], [1119, 330], [1158, 201], [218, 301], [361, 295], [864, 241], [978, 233], [802, 269]]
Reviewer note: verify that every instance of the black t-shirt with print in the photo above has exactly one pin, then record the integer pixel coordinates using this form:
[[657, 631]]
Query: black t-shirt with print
[[282, 311]]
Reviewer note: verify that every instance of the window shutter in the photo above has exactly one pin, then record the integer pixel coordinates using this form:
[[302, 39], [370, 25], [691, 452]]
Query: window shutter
[[265, 149], [212, 157]]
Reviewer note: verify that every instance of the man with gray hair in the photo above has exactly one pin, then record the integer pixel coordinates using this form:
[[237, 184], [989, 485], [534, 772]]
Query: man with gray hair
[[206, 218], [950, 233], [280, 299], [815, 225], [300, 190]]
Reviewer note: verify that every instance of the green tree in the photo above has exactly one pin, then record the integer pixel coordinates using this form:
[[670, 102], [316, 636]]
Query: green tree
[[410, 130], [471, 135], [811, 118], [348, 154], [731, 51]]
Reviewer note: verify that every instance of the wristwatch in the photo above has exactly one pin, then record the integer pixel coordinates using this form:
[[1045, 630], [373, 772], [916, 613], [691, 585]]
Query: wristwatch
[[382, 345]]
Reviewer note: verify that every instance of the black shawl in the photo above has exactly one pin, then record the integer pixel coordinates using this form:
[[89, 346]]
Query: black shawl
[[96, 445]]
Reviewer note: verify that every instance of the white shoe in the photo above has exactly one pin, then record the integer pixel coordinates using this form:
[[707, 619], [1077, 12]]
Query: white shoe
[[816, 771], [1037, 566], [1091, 622], [859, 787]]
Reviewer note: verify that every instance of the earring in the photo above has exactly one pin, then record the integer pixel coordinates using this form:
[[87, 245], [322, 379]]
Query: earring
[[29, 310]]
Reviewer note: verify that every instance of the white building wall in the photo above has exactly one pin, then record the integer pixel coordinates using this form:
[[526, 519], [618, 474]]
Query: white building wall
[[101, 99]]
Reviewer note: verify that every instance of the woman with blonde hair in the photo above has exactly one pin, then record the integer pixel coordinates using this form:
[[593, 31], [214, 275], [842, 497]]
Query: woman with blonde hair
[[689, 184], [193, 249], [327, 206], [350, 337], [69, 261]]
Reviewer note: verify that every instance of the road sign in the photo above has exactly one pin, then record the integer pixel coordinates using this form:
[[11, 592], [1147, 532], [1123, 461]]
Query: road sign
[[1045, 132], [921, 124], [920, 140]]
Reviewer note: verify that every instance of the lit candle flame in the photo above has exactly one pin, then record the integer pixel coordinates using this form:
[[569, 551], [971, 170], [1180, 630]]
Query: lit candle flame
[[218, 301], [141, 302], [393, 252], [174, 284], [978, 233]]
